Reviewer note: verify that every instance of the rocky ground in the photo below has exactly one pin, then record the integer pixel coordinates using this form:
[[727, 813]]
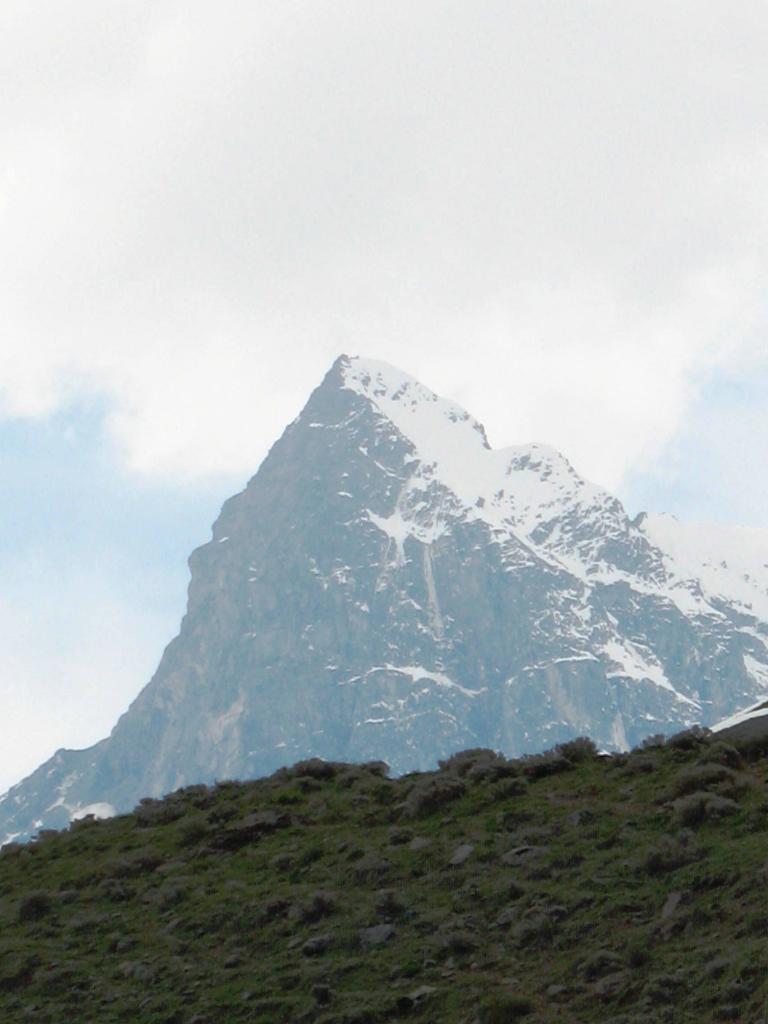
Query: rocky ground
[[565, 887]]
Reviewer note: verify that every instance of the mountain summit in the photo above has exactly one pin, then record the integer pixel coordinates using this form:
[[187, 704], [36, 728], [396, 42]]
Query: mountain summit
[[388, 586]]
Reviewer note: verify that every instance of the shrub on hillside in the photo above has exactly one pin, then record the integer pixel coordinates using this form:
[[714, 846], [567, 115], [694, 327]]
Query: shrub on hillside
[[133, 864], [654, 742], [34, 905], [507, 788], [319, 905], [718, 752], [693, 809], [689, 739], [479, 764], [317, 768], [577, 750], [640, 763], [551, 762], [501, 1009], [430, 794], [198, 795], [158, 812], [670, 853], [193, 828], [707, 777], [752, 749]]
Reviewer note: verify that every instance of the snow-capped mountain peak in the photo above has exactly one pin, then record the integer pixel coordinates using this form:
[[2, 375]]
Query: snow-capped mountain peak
[[517, 487], [392, 587], [728, 563]]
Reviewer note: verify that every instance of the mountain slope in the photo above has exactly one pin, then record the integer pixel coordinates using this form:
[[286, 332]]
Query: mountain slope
[[388, 586], [561, 888]]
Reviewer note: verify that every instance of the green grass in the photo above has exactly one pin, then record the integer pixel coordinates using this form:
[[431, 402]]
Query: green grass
[[193, 911]]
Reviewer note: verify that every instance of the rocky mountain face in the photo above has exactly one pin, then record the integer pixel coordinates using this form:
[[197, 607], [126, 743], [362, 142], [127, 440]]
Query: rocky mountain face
[[389, 587]]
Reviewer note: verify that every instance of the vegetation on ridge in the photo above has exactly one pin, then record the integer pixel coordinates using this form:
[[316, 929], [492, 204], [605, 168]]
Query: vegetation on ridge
[[566, 887]]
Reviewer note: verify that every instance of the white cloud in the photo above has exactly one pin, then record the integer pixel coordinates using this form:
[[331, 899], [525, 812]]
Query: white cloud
[[552, 212]]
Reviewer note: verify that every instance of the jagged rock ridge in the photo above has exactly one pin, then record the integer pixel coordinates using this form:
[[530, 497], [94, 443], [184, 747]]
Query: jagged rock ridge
[[388, 586]]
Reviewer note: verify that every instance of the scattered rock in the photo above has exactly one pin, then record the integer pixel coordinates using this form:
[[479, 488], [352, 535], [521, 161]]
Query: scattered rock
[[557, 991], [507, 917], [461, 855], [376, 935], [717, 967], [371, 866], [578, 818], [399, 836], [609, 986], [601, 963], [534, 929], [137, 971], [419, 843], [455, 939], [671, 904], [522, 855], [416, 998], [282, 861], [120, 943], [317, 945]]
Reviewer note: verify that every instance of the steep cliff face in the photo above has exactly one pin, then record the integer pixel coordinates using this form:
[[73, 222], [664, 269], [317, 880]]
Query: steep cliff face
[[388, 586]]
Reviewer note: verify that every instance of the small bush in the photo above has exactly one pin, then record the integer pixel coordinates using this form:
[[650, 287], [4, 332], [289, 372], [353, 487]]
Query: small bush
[[193, 828], [501, 1009], [689, 739], [707, 777], [35, 905], [508, 788], [721, 753], [171, 892], [198, 795], [158, 812], [654, 742], [670, 853], [316, 768], [577, 750], [754, 748], [640, 764], [429, 795], [639, 952], [540, 766], [693, 809], [289, 795], [133, 864], [312, 852], [478, 764], [318, 906]]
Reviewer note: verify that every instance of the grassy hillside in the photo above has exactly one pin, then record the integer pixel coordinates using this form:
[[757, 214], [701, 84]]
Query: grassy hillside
[[561, 888]]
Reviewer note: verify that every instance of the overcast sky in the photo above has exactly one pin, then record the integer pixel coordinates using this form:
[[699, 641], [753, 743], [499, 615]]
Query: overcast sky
[[553, 212]]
